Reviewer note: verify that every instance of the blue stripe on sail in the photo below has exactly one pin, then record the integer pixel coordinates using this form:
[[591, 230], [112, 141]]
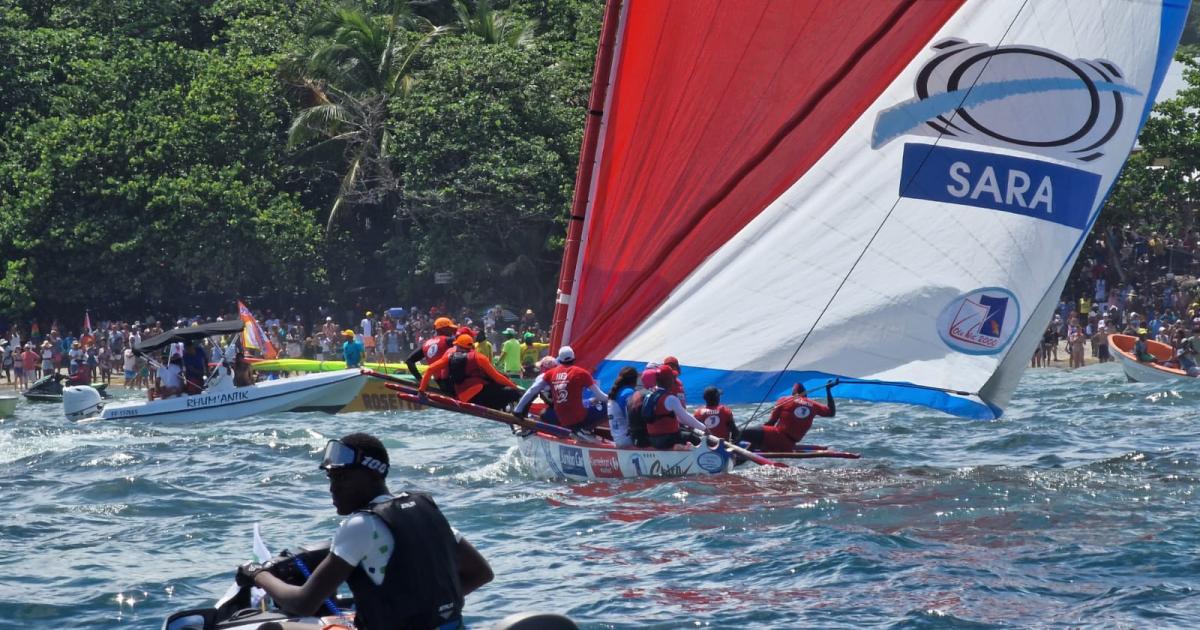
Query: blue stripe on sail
[[748, 387]]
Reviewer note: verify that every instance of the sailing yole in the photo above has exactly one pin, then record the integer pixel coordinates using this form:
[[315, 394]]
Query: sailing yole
[[810, 247]]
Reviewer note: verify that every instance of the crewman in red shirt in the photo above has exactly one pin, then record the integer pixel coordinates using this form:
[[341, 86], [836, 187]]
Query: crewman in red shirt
[[678, 390], [566, 383], [432, 349], [472, 376], [717, 418], [790, 420]]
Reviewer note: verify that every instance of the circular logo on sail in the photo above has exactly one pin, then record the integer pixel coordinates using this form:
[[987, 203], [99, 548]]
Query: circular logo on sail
[[1014, 96], [983, 321]]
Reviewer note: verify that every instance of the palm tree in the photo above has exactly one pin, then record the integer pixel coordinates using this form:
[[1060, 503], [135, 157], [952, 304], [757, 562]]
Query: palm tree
[[363, 64], [493, 26]]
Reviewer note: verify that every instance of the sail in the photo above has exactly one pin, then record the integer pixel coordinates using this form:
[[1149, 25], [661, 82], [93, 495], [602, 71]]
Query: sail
[[253, 337], [890, 193]]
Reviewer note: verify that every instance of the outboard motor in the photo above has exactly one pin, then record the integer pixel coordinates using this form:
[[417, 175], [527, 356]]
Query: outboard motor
[[80, 401]]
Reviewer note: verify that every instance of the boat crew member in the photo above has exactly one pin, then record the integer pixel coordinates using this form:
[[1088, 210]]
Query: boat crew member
[[472, 376], [432, 349], [663, 414], [1141, 351], [352, 349], [170, 379], [510, 354], [791, 418], [633, 407], [404, 563], [678, 391], [566, 383], [717, 418], [195, 365], [618, 401]]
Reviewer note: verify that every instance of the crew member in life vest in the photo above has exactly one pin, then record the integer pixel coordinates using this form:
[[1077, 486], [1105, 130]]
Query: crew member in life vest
[[432, 350], [663, 415], [566, 383], [717, 418], [472, 376], [678, 390], [404, 563], [791, 418]]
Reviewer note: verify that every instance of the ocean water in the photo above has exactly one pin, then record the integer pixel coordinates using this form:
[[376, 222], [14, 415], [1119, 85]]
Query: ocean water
[[1076, 510]]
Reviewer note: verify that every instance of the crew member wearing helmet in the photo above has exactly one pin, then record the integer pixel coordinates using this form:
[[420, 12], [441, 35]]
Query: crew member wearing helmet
[[472, 376], [352, 349], [791, 418], [432, 350], [566, 383], [531, 351], [510, 354], [404, 563]]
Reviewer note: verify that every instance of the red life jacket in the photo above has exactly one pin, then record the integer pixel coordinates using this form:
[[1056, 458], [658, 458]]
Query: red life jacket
[[659, 420], [434, 348]]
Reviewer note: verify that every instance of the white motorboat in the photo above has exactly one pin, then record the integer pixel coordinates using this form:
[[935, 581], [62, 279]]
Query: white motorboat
[[221, 399], [1156, 371]]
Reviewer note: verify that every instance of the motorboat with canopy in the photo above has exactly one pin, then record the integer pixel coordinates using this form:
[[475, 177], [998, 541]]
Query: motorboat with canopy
[[221, 398]]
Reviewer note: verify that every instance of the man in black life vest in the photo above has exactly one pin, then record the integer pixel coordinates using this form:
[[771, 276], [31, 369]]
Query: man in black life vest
[[405, 565]]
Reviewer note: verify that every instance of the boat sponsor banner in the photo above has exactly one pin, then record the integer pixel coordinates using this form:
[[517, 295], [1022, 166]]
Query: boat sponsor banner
[[604, 464], [980, 322], [1030, 188], [571, 459], [216, 399], [712, 461]]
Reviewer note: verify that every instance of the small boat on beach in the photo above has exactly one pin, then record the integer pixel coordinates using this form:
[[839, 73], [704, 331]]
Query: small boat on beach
[[1143, 371], [221, 398]]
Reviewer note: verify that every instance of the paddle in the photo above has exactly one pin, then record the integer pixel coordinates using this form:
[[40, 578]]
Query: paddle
[[430, 399], [737, 450], [811, 455]]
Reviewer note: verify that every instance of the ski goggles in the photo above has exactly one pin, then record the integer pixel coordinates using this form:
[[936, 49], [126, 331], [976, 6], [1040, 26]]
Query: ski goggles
[[338, 455]]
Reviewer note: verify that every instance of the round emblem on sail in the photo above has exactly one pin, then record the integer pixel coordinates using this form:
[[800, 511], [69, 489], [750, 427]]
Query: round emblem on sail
[[983, 321]]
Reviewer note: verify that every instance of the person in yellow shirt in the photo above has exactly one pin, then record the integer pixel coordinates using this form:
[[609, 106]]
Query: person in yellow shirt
[[483, 346], [531, 351], [509, 360]]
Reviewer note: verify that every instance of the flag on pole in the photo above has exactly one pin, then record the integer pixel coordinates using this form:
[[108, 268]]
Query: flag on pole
[[86, 339], [253, 336], [34, 332]]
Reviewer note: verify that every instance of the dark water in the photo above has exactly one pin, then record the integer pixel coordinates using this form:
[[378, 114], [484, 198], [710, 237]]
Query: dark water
[[1076, 510]]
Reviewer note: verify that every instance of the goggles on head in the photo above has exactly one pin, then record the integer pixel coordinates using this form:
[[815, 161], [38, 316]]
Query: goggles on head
[[338, 455]]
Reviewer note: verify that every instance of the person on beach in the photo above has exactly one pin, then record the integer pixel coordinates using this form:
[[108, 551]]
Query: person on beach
[[531, 351], [472, 376], [29, 363], [566, 383], [791, 418], [510, 354], [404, 563]]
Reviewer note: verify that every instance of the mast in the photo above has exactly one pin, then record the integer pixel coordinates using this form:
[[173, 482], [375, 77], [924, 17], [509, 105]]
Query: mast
[[583, 177]]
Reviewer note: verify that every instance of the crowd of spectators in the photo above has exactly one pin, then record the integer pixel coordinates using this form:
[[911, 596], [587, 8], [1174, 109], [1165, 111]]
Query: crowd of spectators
[[1131, 279], [388, 334]]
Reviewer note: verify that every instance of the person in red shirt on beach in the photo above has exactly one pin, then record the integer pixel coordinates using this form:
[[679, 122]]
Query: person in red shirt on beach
[[472, 376], [566, 383], [790, 420]]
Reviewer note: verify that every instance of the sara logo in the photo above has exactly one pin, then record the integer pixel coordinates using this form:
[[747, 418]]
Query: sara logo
[[980, 322], [1022, 98]]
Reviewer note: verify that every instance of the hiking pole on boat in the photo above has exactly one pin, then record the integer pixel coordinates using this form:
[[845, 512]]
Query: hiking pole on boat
[[737, 450]]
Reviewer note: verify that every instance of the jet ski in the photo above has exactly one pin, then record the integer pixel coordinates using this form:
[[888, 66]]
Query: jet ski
[[49, 388], [244, 607]]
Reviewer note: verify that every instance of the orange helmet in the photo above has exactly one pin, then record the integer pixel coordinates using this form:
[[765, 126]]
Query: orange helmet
[[443, 322], [464, 341]]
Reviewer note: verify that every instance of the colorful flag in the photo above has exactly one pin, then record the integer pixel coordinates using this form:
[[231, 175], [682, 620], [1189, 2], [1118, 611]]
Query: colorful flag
[[252, 335], [86, 339], [34, 332]]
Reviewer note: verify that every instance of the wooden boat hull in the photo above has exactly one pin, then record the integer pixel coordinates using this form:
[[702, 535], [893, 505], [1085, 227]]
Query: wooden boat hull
[[551, 456], [1121, 347]]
